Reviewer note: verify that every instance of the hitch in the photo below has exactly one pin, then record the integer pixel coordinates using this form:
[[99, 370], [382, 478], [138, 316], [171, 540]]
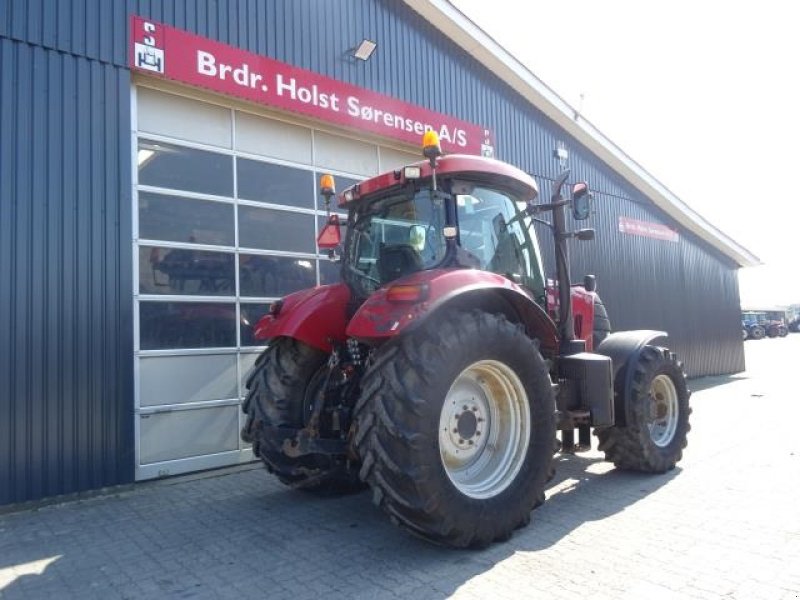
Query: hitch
[[300, 442]]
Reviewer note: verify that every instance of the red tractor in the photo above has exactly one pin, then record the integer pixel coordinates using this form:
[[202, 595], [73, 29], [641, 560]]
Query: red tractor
[[438, 373]]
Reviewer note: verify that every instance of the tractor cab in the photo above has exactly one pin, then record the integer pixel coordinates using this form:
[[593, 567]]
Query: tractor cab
[[459, 212], [475, 217]]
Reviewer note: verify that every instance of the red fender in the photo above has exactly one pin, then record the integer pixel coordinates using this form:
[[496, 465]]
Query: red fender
[[582, 311], [583, 314], [381, 318], [316, 316]]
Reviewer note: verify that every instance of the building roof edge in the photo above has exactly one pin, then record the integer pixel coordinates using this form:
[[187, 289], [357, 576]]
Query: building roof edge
[[465, 33]]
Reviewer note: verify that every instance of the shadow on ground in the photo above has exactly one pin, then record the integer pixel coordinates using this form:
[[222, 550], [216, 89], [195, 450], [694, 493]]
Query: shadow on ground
[[244, 535], [703, 383]]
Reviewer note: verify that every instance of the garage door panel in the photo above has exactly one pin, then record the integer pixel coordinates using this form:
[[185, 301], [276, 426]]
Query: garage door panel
[[274, 139], [186, 379], [182, 118], [395, 159], [344, 154], [185, 433]]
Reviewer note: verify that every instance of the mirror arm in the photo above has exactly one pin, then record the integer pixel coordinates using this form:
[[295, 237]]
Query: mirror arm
[[559, 183], [543, 222], [537, 208]]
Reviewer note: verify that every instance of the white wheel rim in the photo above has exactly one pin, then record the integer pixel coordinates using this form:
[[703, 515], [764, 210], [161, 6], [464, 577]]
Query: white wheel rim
[[663, 422], [484, 429]]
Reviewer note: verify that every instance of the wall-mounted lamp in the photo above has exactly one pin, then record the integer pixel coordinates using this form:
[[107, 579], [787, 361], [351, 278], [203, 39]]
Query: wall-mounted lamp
[[365, 49]]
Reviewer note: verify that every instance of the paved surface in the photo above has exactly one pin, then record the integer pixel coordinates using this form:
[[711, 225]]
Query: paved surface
[[726, 523]]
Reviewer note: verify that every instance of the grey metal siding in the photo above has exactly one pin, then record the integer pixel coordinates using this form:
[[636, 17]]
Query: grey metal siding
[[66, 416], [66, 421]]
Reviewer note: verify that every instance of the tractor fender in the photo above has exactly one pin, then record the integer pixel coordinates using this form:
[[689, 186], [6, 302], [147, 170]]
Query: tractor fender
[[380, 319], [316, 316], [624, 348]]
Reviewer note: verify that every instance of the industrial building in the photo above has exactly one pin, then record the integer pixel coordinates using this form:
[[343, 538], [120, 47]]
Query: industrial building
[[158, 167]]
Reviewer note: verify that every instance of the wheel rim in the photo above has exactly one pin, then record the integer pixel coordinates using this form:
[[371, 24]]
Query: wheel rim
[[484, 429], [663, 410]]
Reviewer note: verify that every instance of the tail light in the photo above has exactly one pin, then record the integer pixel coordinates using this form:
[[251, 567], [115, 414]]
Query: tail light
[[414, 292]]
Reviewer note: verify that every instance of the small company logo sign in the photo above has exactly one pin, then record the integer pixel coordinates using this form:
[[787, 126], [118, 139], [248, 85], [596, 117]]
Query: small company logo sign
[[148, 52], [487, 146]]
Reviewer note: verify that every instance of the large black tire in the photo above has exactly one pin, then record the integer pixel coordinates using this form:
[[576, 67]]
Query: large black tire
[[757, 332], [398, 437], [278, 390], [633, 446], [602, 324]]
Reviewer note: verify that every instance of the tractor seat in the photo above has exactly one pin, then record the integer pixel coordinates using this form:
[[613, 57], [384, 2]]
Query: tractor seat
[[397, 260]]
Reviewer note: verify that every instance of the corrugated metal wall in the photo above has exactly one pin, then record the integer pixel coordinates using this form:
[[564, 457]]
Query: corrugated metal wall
[[65, 364], [66, 421]]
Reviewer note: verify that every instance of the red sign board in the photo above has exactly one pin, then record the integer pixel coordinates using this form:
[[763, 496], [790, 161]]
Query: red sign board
[[647, 229], [181, 56]]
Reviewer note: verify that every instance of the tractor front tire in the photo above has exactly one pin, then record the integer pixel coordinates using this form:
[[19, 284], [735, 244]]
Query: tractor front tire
[[456, 429], [656, 416], [278, 389]]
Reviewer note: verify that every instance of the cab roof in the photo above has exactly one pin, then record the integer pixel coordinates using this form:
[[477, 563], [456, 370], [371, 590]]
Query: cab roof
[[473, 168]]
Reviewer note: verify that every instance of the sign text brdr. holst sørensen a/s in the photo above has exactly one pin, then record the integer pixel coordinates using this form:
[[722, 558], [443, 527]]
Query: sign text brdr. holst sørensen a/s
[[181, 56]]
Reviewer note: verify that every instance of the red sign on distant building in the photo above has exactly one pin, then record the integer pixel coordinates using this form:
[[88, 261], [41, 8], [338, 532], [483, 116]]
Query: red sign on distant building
[[181, 56], [648, 229]]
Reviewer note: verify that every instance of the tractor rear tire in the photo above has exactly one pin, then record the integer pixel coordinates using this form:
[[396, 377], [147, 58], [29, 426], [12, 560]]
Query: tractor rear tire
[[456, 429], [277, 389], [656, 416], [757, 332], [602, 324]]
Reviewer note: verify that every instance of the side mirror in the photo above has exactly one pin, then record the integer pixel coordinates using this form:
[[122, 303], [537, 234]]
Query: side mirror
[[581, 201], [331, 235]]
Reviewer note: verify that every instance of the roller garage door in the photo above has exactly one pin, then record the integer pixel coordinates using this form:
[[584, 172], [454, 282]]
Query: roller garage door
[[225, 217]]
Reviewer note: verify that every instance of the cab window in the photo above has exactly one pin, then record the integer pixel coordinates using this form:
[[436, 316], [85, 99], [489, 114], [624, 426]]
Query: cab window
[[494, 230]]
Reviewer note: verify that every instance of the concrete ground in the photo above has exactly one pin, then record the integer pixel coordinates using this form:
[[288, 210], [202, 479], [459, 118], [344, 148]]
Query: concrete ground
[[725, 523]]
